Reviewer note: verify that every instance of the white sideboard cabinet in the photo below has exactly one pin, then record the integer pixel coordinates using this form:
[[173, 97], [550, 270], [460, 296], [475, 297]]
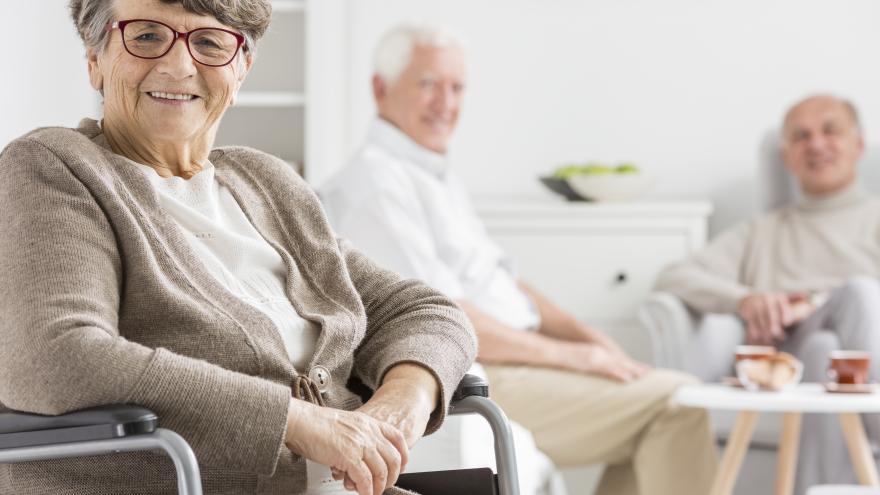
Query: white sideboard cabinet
[[597, 260]]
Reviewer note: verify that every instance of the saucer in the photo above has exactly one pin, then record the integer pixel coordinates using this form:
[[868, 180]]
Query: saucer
[[732, 381], [850, 388]]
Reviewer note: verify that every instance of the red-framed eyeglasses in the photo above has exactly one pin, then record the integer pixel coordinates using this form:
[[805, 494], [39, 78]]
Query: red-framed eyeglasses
[[145, 38]]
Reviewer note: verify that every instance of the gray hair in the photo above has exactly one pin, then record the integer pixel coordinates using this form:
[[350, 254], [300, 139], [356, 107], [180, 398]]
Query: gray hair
[[251, 17], [394, 51]]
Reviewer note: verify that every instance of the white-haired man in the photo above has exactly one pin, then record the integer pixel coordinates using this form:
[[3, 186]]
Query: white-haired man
[[803, 277], [582, 397]]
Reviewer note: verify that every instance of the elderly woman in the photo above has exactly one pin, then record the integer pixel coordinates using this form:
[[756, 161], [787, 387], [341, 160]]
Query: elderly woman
[[140, 266]]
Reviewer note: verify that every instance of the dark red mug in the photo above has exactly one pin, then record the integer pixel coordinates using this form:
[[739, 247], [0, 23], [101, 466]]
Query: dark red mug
[[849, 367]]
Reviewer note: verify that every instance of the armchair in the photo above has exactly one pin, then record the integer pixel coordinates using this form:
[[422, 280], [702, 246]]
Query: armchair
[[121, 428]]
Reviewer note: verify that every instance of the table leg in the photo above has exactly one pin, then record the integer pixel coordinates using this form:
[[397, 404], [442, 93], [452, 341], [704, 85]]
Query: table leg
[[737, 445], [788, 453], [859, 449]]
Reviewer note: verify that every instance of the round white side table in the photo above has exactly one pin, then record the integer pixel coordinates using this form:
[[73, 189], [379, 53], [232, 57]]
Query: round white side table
[[792, 403]]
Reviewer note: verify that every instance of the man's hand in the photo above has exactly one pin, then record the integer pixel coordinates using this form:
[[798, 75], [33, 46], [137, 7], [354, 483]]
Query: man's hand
[[597, 359], [767, 315]]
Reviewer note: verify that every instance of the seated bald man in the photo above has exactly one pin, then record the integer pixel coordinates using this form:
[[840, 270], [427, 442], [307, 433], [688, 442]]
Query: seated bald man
[[803, 277], [582, 397]]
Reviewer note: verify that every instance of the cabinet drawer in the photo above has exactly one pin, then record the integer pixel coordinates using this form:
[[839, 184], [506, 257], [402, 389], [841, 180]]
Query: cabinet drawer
[[596, 277]]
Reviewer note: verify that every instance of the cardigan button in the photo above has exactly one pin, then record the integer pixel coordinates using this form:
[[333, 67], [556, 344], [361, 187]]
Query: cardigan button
[[321, 378]]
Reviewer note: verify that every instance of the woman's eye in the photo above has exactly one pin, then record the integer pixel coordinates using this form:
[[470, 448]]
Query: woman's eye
[[150, 38], [208, 43]]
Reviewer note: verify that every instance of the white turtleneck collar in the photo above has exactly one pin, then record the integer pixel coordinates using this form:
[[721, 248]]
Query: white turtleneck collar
[[399, 143], [848, 196]]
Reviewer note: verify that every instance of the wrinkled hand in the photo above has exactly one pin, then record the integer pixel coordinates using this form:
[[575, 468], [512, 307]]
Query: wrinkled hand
[[767, 315], [367, 452], [410, 420], [599, 360]]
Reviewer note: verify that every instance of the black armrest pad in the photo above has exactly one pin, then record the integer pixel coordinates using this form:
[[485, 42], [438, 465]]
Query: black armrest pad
[[479, 481], [468, 386], [20, 429], [471, 385]]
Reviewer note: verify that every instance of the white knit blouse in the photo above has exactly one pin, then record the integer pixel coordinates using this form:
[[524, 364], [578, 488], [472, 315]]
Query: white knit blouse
[[235, 253]]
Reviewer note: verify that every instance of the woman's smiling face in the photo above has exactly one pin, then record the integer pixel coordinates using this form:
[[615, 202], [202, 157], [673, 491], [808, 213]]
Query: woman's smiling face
[[168, 99]]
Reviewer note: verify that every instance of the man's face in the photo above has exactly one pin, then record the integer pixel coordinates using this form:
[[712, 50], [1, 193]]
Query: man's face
[[424, 101], [822, 144]]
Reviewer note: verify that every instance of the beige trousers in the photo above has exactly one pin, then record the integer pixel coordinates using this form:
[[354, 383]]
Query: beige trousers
[[651, 447]]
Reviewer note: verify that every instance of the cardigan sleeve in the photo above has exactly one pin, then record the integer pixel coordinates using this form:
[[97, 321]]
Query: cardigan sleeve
[[60, 346], [408, 321]]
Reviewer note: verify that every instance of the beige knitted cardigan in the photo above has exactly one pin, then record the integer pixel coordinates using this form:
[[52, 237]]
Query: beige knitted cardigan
[[102, 301]]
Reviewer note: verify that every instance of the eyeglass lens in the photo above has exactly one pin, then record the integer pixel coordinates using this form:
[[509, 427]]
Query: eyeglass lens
[[152, 40]]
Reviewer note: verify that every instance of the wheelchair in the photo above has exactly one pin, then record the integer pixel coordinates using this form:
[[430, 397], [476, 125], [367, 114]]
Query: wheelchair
[[114, 429]]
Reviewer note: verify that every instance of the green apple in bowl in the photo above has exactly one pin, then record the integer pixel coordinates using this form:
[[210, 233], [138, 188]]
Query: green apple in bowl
[[626, 168], [596, 169], [566, 171]]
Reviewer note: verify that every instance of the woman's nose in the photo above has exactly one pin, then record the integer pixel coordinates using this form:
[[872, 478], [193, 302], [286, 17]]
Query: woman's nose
[[177, 63]]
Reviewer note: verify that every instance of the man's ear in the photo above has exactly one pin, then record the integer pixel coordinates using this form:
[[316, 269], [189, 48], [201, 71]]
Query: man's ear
[[379, 89], [96, 78]]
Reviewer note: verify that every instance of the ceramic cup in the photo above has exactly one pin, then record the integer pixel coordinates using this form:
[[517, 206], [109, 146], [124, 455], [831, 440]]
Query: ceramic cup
[[849, 367]]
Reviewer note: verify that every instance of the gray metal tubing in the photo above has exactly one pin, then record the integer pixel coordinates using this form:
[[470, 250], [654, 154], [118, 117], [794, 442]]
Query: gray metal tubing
[[188, 478], [505, 455]]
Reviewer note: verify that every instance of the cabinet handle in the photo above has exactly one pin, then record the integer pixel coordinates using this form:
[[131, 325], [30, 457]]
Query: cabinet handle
[[621, 278]]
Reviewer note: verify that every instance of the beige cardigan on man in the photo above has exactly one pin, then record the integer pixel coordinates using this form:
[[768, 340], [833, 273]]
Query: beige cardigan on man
[[102, 301]]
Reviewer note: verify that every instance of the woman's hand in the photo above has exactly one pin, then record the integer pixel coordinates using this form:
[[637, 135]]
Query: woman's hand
[[369, 453], [405, 400]]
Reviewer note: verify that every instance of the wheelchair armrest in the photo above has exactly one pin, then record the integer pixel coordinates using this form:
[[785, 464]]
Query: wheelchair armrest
[[470, 385], [20, 429]]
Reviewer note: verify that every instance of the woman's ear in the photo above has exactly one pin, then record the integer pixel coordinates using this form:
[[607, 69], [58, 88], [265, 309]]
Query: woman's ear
[[96, 77], [244, 69]]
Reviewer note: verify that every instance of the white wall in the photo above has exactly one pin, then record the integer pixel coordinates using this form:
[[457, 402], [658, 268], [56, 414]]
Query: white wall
[[685, 88], [43, 79]]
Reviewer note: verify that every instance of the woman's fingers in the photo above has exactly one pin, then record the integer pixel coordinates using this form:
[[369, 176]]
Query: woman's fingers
[[378, 469], [337, 474], [398, 442], [361, 477], [383, 458], [391, 458]]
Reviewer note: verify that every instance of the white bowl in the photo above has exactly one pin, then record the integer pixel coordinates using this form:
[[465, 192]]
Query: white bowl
[[611, 187]]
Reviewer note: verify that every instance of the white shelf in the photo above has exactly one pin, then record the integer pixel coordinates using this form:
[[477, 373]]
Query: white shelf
[[288, 5], [270, 99]]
